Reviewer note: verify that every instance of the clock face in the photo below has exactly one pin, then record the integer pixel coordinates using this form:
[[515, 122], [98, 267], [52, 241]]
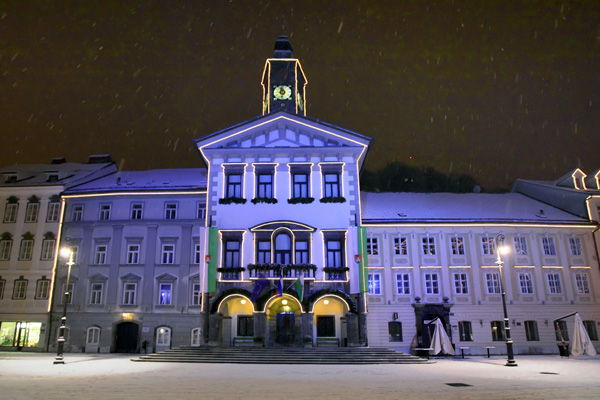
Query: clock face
[[282, 92]]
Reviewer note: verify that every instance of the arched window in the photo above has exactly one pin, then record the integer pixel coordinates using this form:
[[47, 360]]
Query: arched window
[[163, 336], [283, 248], [93, 336], [196, 337]]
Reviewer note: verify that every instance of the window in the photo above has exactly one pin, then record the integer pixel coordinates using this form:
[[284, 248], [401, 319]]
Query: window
[[548, 246], [465, 331], [264, 186], [168, 254], [133, 254], [104, 212], [525, 283], [331, 184], [5, 248], [498, 334], [374, 283], [234, 185], [48, 249], [561, 331], [554, 285], [77, 214], [196, 298], [325, 326], [432, 284], [96, 293], [245, 325], [53, 212], [170, 210], [42, 288], [372, 246], [26, 249], [531, 331], [301, 252], [2, 286], [461, 285], [92, 337], [582, 283], [590, 327], [197, 253], [196, 336], [163, 336], [488, 245], [68, 294], [232, 254], [201, 211], [299, 185], [334, 254], [31, 212], [75, 252], [520, 246], [403, 283], [400, 246], [10, 212], [129, 293], [100, 254], [575, 246], [492, 282], [458, 245], [283, 248], [428, 246], [165, 292], [263, 251], [137, 210], [20, 289], [395, 331]]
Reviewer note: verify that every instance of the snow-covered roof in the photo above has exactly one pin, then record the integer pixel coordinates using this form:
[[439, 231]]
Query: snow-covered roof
[[399, 208], [51, 174], [151, 180]]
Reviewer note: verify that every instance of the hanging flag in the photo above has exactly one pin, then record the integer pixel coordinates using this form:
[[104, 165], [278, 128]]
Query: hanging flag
[[300, 287], [261, 283], [280, 286]]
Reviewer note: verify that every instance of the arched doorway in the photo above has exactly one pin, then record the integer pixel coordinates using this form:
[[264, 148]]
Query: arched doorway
[[237, 321], [284, 321], [126, 337], [329, 320]]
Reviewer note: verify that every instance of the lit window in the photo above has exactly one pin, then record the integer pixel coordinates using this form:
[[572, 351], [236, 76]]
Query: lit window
[[42, 289], [48, 249], [520, 246], [372, 246], [100, 254], [374, 283], [31, 212], [133, 254], [400, 246], [465, 331], [165, 293], [461, 285], [548, 246], [171, 211], [432, 284], [26, 249], [492, 282], [20, 289], [403, 283], [10, 212], [163, 336], [77, 214], [168, 254], [129, 293], [428, 246], [137, 210], [525, 283], [554, 285], [96, 293], [575, 246], [458, 245], [582, 283], [488, 245], [53, 212], [104, 212]]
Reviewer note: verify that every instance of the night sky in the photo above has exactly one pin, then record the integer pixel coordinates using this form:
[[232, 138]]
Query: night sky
[[496, 89]]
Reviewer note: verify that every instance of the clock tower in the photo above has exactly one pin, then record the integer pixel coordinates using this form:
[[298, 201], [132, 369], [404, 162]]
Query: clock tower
[[283, 81]]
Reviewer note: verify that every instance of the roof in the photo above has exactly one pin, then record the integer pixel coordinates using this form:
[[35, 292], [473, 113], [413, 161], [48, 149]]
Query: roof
[[431, 208], [151, 180], [65, 174]]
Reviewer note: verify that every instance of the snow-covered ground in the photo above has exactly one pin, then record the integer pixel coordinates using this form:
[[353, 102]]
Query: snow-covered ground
[[33, 376]]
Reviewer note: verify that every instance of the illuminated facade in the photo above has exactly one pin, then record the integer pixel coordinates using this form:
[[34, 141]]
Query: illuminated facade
[[29, 228], [273, 244]]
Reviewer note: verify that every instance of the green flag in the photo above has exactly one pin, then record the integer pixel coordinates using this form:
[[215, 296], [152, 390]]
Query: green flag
[[213, 249], [362, 264], [299, 284]]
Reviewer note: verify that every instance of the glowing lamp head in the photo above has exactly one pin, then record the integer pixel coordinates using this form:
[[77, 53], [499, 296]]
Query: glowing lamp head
[[286, 308], [284, 302], [243, 301], [325, 302], [503, 250], [65, 252]]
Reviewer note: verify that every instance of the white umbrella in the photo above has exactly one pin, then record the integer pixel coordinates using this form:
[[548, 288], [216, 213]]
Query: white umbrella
[[581, 341], [440, 340]]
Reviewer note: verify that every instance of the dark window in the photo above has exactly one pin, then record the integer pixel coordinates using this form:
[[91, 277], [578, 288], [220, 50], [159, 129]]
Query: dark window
[[561, 331], [300, 185], [498, 331], [264, 186], [531, 331], [263, 251], [465, 331], [245, 326], [395, 330], [334, 254], [234, 185], [283, 249], [331, 185], [325, 326], [301, 256], [136, 211], [590, 327], [232, 254]]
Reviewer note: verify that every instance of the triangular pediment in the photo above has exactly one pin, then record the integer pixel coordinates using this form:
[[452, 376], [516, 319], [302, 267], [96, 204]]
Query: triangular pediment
[[282, 130]]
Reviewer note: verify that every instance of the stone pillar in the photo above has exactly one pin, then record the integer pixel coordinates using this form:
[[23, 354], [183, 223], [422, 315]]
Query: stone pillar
[[226, 338], [362, 320], [307, 326], [214, 330], [260, 326], [352, 333]]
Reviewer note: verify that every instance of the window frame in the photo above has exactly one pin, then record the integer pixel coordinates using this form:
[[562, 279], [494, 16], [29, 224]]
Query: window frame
[[93, 333], [201, 211], [525, 282], [136, 211], [332, 188], [372, 246], [26, 250], [374, 283], [575, 246], [101, 254], [431, 282], [300, 190], [499, 334], [234, 189], [42, 289], [403, 283], [395, 331], [457, 244], [465, 331], [461, 283], [196, 294], [492, 283], [400, 246], [170, 210], [582, 283], [31, 212], [554, 283], [133, 255], [428, 246], [167, 254], [53, 214], [96, 293], [548, 246], [165, 293], [531, 331], [129, 295], [77, 213], [105, 212], [265, 188], [520, 245], [488, 245], [5, 249], [10, 212], [20, 289], [163, 336], [48, 247]]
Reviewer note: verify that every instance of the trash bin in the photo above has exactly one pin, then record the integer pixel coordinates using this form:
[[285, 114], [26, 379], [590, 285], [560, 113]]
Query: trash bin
[[563, 351]]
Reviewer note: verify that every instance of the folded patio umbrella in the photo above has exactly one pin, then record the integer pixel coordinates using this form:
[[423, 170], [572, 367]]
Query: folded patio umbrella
[[581, 340]]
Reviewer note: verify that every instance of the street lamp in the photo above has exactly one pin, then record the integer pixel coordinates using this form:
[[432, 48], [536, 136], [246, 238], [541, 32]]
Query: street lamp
[[500, 248], [66, 253]]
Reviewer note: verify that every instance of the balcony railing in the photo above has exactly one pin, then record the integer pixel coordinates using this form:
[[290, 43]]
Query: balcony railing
[[335, 273], [288, 271], [231, 274]]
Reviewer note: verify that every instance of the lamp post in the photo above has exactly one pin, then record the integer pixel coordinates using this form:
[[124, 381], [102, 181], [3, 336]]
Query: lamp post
[[510, 362], [67, 253]]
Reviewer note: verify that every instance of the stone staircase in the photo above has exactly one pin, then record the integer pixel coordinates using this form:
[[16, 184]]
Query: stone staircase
[[282, 355]]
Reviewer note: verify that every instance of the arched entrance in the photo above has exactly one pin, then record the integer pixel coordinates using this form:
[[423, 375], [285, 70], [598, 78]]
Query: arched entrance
[[126, 337], [329, 320], [425, 314], [284, 321], [237, 321]]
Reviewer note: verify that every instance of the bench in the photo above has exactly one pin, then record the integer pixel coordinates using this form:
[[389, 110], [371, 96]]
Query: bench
[[488, 349], [328, 342], [462, 351]]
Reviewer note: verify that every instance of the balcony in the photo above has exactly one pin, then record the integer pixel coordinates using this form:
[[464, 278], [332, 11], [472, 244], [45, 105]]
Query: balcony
[[288, 271], [231, 274]]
